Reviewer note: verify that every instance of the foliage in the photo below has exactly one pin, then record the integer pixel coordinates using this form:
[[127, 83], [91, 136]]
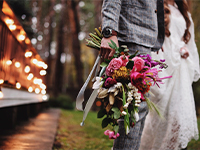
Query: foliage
[[71, 135], [62, 101]]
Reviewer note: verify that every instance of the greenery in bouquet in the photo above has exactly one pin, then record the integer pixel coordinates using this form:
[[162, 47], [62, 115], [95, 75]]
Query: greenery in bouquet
[[123, 83]]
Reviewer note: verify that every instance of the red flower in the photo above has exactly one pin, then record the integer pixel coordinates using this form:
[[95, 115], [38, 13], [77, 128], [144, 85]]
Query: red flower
[[109, 82]]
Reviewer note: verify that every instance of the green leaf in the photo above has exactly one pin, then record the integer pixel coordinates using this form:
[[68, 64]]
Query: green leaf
[[117, 112], [116, 129], [130, 64], [105, 122], [114, 44], [101, 113], [126, 50], [103, 64]]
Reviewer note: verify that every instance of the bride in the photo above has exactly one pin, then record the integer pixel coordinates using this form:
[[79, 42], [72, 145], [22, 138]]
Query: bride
[[174, 98]]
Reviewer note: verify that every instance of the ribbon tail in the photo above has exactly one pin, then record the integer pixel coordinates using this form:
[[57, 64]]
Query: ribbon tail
[[89, 105], [80, 97]]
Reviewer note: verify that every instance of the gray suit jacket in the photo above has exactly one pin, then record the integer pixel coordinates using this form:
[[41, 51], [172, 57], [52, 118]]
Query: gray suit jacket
[[136, 21]]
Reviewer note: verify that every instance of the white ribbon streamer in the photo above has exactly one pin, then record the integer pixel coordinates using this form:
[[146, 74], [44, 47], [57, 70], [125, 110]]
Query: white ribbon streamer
[[80, 97]]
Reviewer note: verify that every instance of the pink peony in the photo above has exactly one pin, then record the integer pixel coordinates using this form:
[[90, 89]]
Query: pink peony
[[136, 76], [114, 64], [111, 134], [124, 59], [138, 64], [109, 82]]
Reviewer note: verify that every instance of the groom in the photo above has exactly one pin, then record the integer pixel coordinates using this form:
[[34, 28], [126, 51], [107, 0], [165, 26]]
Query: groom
[[139, 24]]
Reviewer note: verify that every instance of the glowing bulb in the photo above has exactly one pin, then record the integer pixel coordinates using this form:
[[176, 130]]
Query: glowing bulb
[[17, 64], [21, 37], [28, 54], [27, 41], [30, 89], [40, 63], [43, 72], [1, 81], [35, 61], [37, 81], [43, 91], [43, 86], [45, 66], [37, 90], [44, 97], [1, 94], [12, 27], [27, 69], [30, 76], [18, 85], [9, 21], [8, 62]]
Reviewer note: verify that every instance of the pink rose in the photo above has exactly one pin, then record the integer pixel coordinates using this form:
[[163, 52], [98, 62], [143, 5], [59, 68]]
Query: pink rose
[[109, 82], [114, 64], [138, 64], [124, 59]]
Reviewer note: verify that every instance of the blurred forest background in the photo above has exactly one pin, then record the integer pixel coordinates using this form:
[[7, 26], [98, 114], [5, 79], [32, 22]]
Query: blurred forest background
[[58, 28]]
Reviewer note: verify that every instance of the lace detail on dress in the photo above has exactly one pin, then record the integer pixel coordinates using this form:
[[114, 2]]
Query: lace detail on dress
[[172, 143]]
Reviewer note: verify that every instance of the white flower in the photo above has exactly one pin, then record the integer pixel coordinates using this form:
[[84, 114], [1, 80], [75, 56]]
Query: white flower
[[129, 99], [138, 101], [136, 116], [124, 113], [126, 106], [98, 83], [114, 90], [130, 86], [102, 93], [118, 85], [137, 104]]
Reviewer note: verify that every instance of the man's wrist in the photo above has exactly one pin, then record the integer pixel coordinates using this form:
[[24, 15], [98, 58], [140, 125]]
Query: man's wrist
[[108, 32]]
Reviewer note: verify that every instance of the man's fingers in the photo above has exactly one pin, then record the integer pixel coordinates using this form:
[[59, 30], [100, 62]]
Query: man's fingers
[[112, 52], [107, 53]]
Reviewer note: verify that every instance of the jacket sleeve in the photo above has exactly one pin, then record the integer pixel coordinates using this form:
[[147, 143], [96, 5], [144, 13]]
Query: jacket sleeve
[[110, 14]]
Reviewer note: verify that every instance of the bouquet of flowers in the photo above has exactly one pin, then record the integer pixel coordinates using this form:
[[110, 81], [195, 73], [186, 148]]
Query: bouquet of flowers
[[123, 83]]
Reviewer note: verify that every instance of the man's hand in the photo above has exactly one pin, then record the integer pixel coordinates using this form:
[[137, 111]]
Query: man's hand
[[106, 51], [184, 52]]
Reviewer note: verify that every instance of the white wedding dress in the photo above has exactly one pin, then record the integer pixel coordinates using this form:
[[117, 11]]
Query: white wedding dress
[[174, 98]]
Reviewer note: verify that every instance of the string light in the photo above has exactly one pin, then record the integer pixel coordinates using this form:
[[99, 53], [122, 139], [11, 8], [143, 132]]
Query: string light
[[43, 86], [18, 85], [44, 97], [9, 21], [1, 81], [27, 69], [17, 64], [1, 93], [37, 90], [30, 89], [43, 72], [28, 54], [30, 76], [45, 66], [12, 27], [21, 37], [35, 61], [43, 91], [9, 62], [27, 41]]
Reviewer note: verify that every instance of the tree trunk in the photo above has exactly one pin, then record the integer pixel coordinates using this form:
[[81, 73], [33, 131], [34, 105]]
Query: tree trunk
[[59, 70], [49, 40], [75, 29]]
